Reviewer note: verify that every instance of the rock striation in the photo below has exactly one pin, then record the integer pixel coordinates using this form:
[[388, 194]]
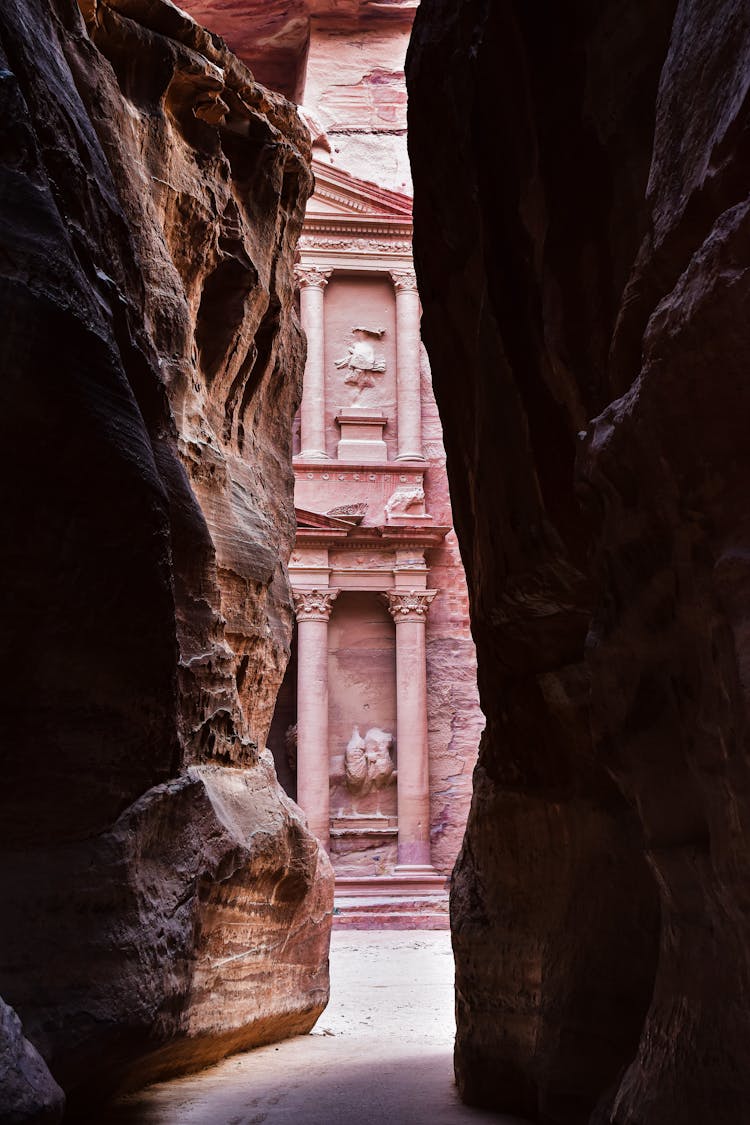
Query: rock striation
[[582, 241], [163, 902]]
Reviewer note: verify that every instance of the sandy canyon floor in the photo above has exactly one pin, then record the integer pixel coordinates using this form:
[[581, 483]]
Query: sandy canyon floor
[[380, 1053]]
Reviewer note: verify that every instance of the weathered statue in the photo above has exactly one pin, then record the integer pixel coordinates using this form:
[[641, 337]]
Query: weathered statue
[[290, 745], [403, 500], [360, 362], [380, 765], [368, 762]]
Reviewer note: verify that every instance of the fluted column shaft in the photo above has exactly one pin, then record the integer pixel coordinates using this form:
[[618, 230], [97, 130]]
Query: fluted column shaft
[[409, 611], [312, 283], [313, 608], [409, 391]]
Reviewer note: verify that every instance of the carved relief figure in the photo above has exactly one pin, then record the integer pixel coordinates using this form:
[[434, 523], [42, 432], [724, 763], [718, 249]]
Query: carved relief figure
[[368, 762], [360, 364], [355, 764], [354, 512], [380, 765], [403, 499]]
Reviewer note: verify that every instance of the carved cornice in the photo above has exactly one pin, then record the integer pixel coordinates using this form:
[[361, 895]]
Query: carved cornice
[[408, 605], [404, 281], [311, 277], [357, 227], [313, 605], [355, 244], [346, 201]]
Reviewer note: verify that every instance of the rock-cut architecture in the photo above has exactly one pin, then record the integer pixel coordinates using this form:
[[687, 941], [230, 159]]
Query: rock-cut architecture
[[378, 721], [378, 592], [174, 644]]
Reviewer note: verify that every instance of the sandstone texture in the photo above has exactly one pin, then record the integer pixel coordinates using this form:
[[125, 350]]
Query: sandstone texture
[[378, 1054], [273, 36], [29, 1092], [162, 900], [582, 241], [342, 61]]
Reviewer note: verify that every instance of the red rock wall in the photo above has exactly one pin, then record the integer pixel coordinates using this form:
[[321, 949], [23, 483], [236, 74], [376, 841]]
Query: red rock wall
[[162, 901], [582, 245], [455, 719]]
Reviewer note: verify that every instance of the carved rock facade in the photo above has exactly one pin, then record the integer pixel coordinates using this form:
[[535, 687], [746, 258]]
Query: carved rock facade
[[372, 493], [584, 274], [162, 901]]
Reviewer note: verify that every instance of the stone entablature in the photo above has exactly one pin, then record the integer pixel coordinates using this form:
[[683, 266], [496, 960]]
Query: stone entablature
[[355, 226], [362, 558], [332, 483]]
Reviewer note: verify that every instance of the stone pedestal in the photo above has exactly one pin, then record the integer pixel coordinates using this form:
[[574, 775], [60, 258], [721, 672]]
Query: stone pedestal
[[407, 366], [312, 282], [409, 611], [361, 434], [313, 609]]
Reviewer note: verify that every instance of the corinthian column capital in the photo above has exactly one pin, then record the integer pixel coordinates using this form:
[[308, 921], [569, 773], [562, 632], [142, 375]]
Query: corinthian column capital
[[311, 277], [404, 280], [313, 605], [408, 605]]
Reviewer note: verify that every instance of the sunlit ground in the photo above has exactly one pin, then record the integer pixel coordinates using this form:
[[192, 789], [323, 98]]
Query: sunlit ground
[[380, 1053]]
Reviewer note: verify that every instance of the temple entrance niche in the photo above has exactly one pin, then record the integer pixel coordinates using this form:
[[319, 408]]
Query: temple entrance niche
[[360, 343], [362, 735]]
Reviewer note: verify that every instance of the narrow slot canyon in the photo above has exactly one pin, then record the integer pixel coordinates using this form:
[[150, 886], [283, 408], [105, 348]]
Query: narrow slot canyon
[[375, 591], [382, 1051]]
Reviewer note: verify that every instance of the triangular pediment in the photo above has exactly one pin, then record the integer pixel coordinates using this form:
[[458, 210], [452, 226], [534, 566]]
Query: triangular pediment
[[321, 522], [339, 195]]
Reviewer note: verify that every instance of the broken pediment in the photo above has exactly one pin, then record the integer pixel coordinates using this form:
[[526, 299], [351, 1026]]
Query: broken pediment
[[341, 195], [320, 522]]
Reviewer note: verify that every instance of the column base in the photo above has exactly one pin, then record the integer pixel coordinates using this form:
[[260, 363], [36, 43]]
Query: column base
[[414, 855], [410, 457], [314, 455], [410, 870]]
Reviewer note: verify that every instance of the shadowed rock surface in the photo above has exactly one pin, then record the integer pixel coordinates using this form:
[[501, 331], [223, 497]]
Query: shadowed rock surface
[[30, 1095], [583, 249], [162, 901]]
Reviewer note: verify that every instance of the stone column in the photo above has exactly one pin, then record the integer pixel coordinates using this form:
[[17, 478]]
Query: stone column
[[408, 608], [312, 282], [407, 365], [313, 609]]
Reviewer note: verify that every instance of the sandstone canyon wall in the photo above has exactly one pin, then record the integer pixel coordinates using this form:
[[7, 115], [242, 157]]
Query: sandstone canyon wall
[[162, 900], [582, 239]]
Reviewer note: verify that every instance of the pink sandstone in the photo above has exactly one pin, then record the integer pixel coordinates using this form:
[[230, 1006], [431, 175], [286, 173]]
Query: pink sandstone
[[162, 901]]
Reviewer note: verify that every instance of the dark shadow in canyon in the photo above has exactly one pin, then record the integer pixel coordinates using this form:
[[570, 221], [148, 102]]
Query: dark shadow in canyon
[[581, 241]]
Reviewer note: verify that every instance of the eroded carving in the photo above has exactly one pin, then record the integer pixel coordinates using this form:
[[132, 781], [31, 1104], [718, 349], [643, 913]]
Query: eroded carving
[[314, 605], [360, 364], [354, 245], [368, 763], [406, 605], [311, 277], [404, 280], [353, 512], [403, 499], [317, 129]]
